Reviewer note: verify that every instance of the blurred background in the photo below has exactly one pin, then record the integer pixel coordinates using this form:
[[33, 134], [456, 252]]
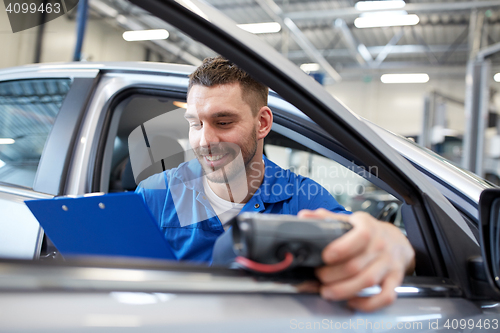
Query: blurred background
[[423, 69]]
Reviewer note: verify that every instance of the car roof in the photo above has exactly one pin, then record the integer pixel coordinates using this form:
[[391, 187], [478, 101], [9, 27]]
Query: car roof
[[135, 66]]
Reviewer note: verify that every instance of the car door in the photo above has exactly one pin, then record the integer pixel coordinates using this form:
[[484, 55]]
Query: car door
[[40, 108], [97, 143], [440, 235]]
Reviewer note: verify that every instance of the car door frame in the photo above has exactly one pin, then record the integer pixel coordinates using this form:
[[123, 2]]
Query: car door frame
[[114, 85], [56, 155]]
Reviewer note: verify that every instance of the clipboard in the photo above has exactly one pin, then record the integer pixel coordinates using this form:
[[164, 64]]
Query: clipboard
[[116, 224]]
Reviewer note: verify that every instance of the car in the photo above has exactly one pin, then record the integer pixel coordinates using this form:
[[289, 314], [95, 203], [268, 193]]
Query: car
[[71, 128]]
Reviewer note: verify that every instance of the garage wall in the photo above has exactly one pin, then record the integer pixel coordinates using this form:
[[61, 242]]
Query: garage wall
[[17, 49], [399, 107], [102, 42]]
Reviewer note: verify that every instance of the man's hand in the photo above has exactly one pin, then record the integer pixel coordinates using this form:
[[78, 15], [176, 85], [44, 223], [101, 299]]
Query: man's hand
[[372, 253]]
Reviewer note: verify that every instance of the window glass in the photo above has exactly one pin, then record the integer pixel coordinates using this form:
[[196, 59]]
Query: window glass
[[338, 180], [28, 109], [351, 190], [151, 136]]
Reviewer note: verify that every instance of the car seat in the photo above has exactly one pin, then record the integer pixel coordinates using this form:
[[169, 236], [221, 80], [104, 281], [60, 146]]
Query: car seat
[[158, 154]]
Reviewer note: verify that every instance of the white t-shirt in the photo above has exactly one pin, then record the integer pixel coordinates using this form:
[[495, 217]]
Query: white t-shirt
[[224, 209]]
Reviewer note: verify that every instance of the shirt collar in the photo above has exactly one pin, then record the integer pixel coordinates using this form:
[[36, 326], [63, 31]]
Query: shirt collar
[[273, 188], [191, 174]]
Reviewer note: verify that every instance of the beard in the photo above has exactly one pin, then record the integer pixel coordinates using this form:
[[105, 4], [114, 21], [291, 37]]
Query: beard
[[239, 158]]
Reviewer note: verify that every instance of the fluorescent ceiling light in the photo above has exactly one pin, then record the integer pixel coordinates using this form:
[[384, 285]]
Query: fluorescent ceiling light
[[145, 35], [374, 21], [384, 13], [496, 77], [2, 163], [261, 28], [6, 141], [312, 67], [405, 78], [375, 5]]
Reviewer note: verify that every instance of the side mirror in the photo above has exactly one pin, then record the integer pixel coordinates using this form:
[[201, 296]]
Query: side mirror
[[489, 232]]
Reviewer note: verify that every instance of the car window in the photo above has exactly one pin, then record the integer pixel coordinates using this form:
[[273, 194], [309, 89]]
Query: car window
[[345, 184], [28, 109], [151, 136]]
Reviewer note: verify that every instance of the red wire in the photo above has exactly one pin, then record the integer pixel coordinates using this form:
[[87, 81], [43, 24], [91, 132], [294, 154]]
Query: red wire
[[266, 268]]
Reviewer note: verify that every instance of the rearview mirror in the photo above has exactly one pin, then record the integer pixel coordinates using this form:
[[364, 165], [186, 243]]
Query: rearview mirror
[[489, 232]]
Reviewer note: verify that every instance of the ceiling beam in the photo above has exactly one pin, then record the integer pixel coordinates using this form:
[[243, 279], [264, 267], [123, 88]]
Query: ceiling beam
[[488, 51], [172, 48], [453, 47], [130, 23], [358, 50], [375, 51], [419, 38], [275, 12], [387, 49], [351, 12]]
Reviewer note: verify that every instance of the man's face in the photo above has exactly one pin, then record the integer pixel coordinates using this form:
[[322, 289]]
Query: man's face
[[221, 125]]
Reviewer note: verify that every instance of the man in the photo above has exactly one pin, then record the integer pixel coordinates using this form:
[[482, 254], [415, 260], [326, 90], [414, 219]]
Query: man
[[228, 120]]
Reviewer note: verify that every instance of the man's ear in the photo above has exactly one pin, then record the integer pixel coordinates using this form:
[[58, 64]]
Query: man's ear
[[265, 122]]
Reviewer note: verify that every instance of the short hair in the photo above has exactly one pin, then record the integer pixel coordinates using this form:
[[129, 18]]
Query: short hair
[[216, 71]]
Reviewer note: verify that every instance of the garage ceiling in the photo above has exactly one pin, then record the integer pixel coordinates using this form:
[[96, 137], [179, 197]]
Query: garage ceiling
[[448, 33]]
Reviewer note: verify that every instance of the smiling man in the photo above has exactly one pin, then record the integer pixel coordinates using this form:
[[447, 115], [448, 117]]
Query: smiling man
[[228, 120], [224, 133]]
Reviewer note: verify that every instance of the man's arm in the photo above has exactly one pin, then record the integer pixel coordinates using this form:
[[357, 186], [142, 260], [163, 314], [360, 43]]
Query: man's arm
[[372, 253]]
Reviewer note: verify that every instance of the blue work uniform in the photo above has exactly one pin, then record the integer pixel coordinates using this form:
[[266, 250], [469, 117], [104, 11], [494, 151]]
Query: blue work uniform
[[177, 200]]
